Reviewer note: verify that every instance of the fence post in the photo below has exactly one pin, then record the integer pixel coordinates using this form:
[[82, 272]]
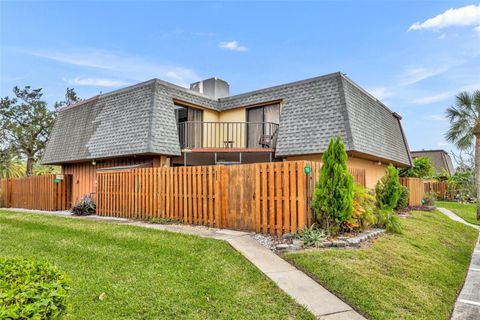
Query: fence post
[[302, 199], [218, 195]]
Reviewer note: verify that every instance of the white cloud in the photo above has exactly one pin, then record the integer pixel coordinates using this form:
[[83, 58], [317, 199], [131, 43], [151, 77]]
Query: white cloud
[[98, 82], [464, 16], [120, 65], [442, 36], [437, 117], [232, 45], [447, 94], [416, 74], [442, 144], [380, 92], [433, 98]]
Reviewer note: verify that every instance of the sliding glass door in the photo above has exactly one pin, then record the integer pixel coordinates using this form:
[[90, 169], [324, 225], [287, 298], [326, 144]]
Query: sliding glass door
[[259, 120], [190, 122]]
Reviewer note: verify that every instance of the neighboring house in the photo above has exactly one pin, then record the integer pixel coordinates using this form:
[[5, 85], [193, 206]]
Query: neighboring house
[[440, 159], [156, 123]]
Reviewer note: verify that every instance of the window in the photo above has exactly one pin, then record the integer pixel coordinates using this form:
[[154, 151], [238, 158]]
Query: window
[[260, 120], [189, 122]]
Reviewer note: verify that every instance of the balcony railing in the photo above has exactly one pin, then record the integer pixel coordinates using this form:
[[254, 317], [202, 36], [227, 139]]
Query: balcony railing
[[227, 135]]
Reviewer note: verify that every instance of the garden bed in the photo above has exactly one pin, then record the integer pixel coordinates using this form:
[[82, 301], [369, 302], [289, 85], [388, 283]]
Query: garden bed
[[288, 242]]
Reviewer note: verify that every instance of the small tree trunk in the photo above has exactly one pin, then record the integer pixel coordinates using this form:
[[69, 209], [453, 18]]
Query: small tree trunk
[[477, 172], [29, 166]]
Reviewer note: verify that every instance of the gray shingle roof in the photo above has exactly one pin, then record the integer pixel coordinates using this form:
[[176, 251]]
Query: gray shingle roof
[[140, 120], [440, 159]]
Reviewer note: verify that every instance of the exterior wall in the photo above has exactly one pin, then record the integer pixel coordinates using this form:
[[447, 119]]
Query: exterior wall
[[236, 115], [84, 174], [233, 115], [373, 171], [209, 116]]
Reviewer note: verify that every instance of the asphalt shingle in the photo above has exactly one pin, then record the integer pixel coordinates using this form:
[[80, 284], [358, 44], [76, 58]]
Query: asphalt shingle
[[141, 120]]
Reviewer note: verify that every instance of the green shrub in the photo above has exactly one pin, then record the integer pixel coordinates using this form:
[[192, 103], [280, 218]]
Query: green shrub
[[31, 290], [402, 202], [389, 220], [388, 189], [311, 235], [363, 213], [84, 207], [333, 196], [422, 168]]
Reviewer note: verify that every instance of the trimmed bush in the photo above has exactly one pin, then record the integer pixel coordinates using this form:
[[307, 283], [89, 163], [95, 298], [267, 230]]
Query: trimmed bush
[[363, 213], [402, 202], [333, 196], [388, 189], [31, 290], [84, 207]]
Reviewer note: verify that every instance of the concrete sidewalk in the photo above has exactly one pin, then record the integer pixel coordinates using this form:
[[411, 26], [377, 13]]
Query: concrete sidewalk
[[318, 300], [467, 306]]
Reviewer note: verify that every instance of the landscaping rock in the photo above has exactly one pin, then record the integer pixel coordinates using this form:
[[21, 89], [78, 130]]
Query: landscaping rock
[[297, 243], [288, 237], [282, 247], [353, 241], [325, 244], [339, 243]]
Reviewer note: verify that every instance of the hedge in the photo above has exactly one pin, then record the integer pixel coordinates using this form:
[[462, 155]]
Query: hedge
[[31, 290]]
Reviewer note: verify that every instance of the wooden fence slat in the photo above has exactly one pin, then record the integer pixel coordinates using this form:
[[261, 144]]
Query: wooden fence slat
[[37, 192], [272, 198]]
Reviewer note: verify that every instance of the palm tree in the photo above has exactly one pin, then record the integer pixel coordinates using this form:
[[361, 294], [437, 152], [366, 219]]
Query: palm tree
[[9, 166], [465, 129]]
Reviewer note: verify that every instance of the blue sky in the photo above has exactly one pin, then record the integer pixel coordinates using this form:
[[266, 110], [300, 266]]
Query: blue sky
[[413, 56]]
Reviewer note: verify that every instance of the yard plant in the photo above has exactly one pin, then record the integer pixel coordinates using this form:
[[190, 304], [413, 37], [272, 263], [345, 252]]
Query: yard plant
[[388, 191], [333, 195], [31, 289], [126, 272], [86, 206]]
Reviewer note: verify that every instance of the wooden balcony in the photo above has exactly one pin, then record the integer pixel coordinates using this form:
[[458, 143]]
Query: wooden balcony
[[199, 136]]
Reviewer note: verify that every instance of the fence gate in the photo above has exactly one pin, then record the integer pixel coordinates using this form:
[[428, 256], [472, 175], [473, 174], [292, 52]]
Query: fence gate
[[48, 192]]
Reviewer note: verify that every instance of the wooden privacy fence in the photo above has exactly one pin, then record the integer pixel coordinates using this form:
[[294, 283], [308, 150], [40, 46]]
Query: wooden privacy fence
[[271, 198], [47, 192], [416, 190], [440, 188]]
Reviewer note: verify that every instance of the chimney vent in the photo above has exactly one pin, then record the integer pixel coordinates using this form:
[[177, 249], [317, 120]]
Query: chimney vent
[[215, 88]]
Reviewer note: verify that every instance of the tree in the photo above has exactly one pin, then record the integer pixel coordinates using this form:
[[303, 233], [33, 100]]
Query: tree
[[10, 167], [388, 190], [422, 168], [26, 123], [464, 130], [333, 195], [71, 97]]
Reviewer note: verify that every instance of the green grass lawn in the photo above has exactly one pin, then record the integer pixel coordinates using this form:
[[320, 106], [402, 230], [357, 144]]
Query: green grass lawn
[[146, 274], [465, 210], [415, 275]]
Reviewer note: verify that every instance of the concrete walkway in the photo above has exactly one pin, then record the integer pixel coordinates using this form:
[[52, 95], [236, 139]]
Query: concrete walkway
[[467, 306], [318, 300]]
